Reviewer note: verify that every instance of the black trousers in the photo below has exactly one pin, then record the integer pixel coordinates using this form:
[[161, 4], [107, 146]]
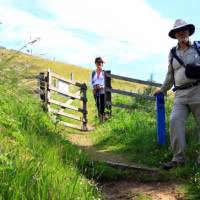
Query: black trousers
[[100, 103]]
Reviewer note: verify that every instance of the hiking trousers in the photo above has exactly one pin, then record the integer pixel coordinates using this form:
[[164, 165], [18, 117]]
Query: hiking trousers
[[100, 103], [185, 102]]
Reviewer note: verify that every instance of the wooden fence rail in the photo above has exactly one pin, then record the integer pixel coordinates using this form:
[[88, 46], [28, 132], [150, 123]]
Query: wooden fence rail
[[47, 86], [109, 90], [160, 108], [109, 75]]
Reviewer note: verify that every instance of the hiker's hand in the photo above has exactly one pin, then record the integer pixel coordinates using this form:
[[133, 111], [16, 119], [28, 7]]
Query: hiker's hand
[[157, 91], [98, 87], [94, 91]]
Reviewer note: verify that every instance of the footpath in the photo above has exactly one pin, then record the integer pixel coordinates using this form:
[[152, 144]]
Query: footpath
[[131, 189]]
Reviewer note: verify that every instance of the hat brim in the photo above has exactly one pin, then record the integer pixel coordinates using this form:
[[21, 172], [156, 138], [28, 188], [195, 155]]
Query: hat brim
[[190, 27]]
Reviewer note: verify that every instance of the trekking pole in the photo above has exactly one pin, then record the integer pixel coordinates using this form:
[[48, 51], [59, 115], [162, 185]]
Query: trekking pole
[[99, 101], [96, 101]]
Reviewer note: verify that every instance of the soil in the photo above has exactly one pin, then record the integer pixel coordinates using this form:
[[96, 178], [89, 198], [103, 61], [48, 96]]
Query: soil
[[126, 189]]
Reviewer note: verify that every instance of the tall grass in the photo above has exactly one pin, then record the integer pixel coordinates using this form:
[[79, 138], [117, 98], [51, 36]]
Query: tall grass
[[35, 161]]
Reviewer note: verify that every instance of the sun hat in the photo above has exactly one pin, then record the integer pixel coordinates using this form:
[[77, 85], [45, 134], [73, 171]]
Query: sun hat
[[181, 24], [99, 60]]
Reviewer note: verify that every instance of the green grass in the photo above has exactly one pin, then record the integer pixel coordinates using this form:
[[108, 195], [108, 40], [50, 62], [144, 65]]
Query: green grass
[[133, 134], [143, 197], [36, 162]]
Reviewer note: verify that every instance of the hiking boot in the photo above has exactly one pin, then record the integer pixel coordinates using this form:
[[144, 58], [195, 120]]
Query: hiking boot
[[172, 164], [102, 118]]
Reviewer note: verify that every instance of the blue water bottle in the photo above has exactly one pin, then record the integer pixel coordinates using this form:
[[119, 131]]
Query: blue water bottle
[[160, 108]]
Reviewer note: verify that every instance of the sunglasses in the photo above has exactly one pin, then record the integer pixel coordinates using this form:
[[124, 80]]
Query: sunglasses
[[182, 29]]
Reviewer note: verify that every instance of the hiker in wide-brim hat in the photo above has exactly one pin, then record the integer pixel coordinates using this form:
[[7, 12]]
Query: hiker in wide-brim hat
[[187, 89]]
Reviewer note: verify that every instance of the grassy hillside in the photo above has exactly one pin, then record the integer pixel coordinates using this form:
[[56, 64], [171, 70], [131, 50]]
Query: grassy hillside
[[33, 65], [36, 162]]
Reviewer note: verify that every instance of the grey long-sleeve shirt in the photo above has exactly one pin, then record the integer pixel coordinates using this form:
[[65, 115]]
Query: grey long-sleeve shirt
[[189, 55]]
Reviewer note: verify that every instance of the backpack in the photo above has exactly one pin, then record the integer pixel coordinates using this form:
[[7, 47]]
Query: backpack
[[192, 70], [197, 46]]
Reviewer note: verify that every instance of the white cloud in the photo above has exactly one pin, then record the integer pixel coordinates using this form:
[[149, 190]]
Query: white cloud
[[123, 30], [129, 20]]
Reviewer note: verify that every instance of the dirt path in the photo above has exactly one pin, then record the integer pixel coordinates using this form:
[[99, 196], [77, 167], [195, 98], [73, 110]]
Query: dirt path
[[83, 141], [133, 190], [126, 189]]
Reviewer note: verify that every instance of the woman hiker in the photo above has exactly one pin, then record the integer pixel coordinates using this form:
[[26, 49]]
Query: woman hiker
[[98, 88]]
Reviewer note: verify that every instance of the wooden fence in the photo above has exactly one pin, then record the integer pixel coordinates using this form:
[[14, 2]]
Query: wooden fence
[[48, 83], [109, 90]]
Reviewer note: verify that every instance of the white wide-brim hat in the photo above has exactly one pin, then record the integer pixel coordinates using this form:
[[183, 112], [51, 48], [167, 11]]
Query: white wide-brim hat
[[180, 24]]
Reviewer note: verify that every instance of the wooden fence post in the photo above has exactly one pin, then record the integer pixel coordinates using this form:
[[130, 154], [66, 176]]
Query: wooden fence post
[[48, 89], [42, 86], [71, 76], [42, 89], [108, 96], [84, 97]]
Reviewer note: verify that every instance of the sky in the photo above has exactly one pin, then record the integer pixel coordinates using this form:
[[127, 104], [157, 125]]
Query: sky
[[130, 35]]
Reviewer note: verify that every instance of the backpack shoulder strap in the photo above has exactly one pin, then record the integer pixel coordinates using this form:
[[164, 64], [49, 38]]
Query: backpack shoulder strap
[[174, 55], [197, 46], [172, 51], [93, 73]]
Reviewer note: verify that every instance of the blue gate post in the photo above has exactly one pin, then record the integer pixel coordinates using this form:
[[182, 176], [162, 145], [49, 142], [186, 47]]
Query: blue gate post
[[160, 108]]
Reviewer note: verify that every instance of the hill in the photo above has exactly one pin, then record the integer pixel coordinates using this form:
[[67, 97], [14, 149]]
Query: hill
[[35, 64]]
